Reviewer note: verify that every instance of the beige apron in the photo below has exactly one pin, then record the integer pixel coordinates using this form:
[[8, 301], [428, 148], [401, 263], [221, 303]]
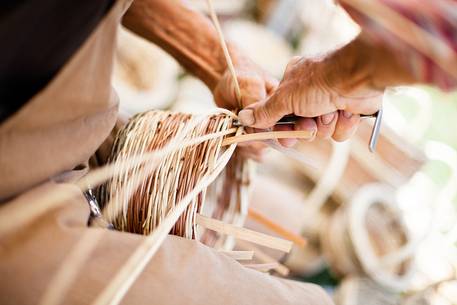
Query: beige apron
[[59, 129]]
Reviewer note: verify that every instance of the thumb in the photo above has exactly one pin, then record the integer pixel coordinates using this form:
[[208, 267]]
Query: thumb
[[266, 113]]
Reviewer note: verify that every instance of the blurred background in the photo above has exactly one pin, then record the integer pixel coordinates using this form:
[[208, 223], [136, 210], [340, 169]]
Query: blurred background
[[380, 228]]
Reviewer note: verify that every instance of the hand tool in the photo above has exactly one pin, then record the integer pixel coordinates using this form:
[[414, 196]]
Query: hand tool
[[292, 119]]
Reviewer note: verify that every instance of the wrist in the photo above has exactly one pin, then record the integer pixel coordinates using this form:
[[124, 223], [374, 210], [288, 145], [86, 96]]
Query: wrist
[[362, 64], [389, 71], [348, 67]]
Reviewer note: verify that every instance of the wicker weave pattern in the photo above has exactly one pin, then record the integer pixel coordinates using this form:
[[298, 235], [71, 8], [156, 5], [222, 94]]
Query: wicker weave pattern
[[175, 176]]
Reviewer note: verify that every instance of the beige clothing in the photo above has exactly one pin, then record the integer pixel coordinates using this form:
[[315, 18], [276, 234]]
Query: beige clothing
[[62, 127], [182, 271]]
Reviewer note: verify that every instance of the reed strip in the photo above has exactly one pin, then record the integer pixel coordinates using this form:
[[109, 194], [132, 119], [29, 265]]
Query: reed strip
[[227, 56], [244, 234], [266, 267], [268, 135], [263, 257], [238, 255], [298, 240]]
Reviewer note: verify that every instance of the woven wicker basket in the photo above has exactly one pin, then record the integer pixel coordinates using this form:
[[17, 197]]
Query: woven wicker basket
[[141, 210]]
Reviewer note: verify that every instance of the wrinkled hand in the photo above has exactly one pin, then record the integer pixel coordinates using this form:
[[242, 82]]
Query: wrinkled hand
[[255, 85], [328, 94]]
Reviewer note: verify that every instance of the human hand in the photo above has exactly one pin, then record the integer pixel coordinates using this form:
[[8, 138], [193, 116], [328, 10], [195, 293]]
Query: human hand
[[255, 85], [329, 95]]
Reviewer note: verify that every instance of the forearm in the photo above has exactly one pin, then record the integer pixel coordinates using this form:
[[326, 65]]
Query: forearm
[[361, 63], [184, 33]]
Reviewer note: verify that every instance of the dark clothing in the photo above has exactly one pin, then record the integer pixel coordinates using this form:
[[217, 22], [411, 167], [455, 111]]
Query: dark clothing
[[38, 37]]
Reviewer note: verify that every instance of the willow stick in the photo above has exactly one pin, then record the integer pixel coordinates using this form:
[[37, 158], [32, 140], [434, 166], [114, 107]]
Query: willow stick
[[227, 56], [277, 228], [244, 234], [263, 257], [260, 136], [239, 255], [265, 267]]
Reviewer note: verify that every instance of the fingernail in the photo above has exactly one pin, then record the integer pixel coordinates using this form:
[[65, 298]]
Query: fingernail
[[313, 134], [246, 117], [347, 114], [326, 119]]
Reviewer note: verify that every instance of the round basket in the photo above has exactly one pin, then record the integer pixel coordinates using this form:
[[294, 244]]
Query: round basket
[[136, 202], [358, 238]]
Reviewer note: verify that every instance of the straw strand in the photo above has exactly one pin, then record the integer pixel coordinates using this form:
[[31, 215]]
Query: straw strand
[[227, 56]]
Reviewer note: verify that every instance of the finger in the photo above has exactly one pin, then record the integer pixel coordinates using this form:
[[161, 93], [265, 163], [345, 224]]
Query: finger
[[265, 113], [326, 125], [307, 124], [346, 126], [224, 93], [252, 88], [286, 142]]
